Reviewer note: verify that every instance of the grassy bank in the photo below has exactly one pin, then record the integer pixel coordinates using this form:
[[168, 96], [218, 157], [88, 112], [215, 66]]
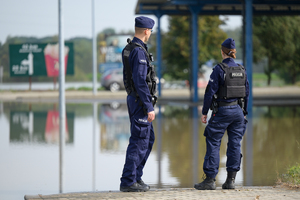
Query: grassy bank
[[261, 80], [292, 178], [84, 89]]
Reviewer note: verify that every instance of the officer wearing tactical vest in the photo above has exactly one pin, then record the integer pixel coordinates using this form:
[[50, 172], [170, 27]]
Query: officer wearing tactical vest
[[140, 85], [226, 95]]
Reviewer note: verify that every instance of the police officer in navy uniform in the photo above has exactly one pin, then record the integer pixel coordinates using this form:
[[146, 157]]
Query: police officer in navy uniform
[[227, 95], [140, 85]]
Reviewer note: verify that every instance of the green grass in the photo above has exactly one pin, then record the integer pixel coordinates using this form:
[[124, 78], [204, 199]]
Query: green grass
[[293, 174], [90, 76], [261, 80], [291, 178], [84, 89], [264, 77]]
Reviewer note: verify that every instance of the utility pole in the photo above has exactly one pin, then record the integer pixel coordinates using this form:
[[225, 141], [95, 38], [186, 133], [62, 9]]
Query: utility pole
[[94, 50], [62, 103]]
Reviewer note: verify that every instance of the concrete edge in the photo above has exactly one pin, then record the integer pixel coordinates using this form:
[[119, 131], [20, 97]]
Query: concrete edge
[[61, 195], [27, 197]]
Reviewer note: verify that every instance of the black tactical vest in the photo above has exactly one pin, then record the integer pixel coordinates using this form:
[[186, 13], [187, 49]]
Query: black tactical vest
[[128, 81], [234, 82]]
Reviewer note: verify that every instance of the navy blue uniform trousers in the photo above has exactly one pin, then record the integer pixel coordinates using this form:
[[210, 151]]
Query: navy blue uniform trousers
[[230, 118], [140, 143]]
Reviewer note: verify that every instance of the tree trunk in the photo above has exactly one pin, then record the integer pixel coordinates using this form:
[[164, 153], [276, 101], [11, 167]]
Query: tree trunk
[[293, 77], [269, 79], [269, 71]]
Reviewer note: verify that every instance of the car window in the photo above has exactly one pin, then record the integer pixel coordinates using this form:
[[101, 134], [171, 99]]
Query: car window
[[107, 72]]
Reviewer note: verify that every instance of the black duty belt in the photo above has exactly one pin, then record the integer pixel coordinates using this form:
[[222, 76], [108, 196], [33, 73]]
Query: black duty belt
[[133, 93], [222, 103]]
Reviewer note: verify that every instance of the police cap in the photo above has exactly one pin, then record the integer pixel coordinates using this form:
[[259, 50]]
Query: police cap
[[144, 22], [229, 43]]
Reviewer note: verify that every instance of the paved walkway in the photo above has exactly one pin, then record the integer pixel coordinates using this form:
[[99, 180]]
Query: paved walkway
[[179, 94], [240, 193]]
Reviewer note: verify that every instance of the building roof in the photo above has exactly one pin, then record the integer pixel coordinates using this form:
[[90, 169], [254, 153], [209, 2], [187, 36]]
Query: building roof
[[217, 7]]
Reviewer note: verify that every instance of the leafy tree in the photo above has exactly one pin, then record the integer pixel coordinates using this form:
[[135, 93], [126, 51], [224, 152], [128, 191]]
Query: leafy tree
[[277, 38], [176, 45], [290, 71], [236, 34], [109, 31]]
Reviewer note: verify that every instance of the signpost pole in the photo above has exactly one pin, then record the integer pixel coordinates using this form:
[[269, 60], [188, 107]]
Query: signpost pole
[[30, 80], [62, 109], [1, 73], [94, 50], [54, 82], [1, 76]]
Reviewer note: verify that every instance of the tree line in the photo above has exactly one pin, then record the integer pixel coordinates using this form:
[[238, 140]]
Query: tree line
[[274, 37]]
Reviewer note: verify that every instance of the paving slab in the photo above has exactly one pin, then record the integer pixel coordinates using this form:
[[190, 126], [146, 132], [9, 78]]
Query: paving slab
[[240, 193]]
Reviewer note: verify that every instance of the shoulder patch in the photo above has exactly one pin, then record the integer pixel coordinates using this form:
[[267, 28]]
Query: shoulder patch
[[126, 53], [143, 61]]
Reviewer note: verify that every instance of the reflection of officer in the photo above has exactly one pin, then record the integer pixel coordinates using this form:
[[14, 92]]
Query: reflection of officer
[[227, 95], [138, 76]]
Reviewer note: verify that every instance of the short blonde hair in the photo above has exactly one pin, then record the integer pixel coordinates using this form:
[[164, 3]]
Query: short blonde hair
[[139, 30]]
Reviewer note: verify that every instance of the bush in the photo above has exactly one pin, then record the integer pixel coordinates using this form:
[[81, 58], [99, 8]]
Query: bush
[[291, 178], [293, 174]]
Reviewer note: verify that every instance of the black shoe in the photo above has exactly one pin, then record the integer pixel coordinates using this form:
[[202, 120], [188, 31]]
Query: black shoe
[[207, 184], [141, 182], [134, 188], [229, 183]]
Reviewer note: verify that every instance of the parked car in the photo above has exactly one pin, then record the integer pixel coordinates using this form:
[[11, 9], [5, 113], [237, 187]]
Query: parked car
[[113, 80]]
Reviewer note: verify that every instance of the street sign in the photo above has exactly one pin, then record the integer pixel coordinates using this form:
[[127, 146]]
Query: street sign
[[40, 59]]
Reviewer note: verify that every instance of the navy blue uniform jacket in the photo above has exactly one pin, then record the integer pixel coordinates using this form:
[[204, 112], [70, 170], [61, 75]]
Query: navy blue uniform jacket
[[139, 64], [216, 79]]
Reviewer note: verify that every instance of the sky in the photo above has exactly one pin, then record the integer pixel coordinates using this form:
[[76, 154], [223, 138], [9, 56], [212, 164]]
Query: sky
[[39, 18]]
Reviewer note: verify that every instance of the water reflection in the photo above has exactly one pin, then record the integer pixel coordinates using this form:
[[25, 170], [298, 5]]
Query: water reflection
[[39, 126], [97, 138], [115, 127], [248, 153], [276, 138]]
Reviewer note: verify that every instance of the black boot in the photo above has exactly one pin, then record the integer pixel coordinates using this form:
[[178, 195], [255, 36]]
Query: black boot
[[134, 188], [141, 182], [207, 184], [229, 183]]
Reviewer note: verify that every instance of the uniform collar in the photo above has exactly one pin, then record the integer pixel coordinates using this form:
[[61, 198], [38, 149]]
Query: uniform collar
[[228, 61], [137, 40]]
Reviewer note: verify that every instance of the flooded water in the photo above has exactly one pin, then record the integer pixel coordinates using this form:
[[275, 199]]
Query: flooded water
[[97, 137]]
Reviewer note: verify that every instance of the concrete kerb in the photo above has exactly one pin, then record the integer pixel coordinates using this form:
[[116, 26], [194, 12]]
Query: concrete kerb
[[183, 94], [241, 193]]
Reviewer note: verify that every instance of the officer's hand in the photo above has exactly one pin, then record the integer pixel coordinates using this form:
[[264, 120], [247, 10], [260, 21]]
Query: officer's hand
[[203, 119], [151, 116]]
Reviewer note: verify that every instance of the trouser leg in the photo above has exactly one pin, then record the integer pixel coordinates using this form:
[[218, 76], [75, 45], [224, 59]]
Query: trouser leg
[[235, 132], [139, 172], [212, 158], [129, 170], [136, 152]]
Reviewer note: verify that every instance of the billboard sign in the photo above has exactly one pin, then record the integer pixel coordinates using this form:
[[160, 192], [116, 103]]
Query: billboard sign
[[111, 54], [40, 59]]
